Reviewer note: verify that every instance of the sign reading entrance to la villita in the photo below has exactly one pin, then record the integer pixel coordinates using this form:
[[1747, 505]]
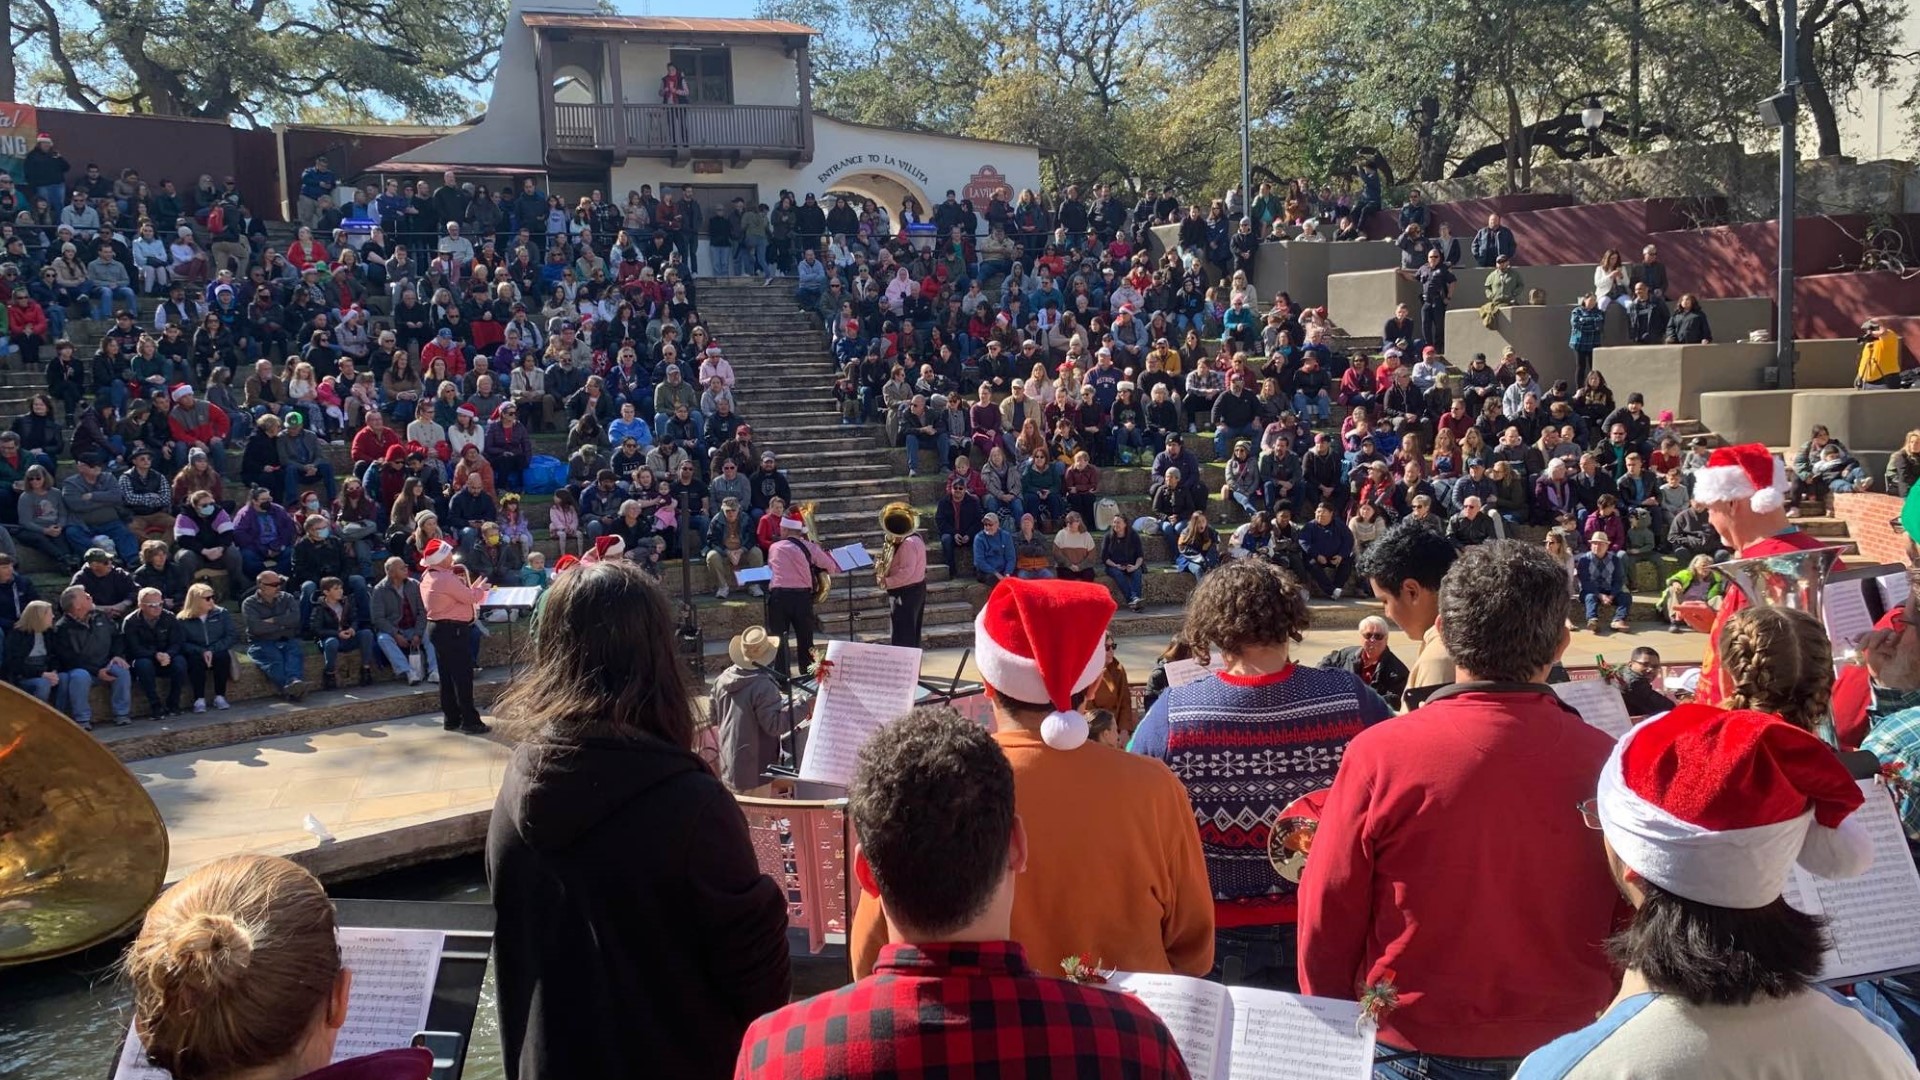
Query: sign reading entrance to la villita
[[855, 161]]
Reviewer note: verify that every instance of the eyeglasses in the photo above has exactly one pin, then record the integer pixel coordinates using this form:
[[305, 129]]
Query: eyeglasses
[[1373, 637], [1589, 812]]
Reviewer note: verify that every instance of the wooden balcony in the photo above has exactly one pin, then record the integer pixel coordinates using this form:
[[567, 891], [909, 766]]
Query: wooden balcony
[[679, 132]]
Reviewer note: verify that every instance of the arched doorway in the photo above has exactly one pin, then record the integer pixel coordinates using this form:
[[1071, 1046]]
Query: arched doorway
[[887, 189]]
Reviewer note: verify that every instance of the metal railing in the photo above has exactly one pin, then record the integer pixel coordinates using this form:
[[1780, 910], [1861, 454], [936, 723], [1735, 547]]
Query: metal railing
[[668, 129]]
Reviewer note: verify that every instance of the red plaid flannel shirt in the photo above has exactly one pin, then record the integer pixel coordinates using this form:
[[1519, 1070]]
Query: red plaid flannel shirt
[[953, 1010]]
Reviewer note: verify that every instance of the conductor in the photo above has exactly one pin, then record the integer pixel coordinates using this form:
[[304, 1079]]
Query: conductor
[[451, 602]]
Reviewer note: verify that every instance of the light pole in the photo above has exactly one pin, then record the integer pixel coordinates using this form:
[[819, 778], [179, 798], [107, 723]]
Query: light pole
[[1246, 137], [1592, 118], [1780, 110]]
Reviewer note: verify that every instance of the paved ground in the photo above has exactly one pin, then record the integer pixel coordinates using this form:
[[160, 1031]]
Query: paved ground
[[358, 781], [369, 779]]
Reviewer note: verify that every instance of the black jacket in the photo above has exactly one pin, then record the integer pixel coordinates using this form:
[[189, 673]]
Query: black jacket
[[636, 935], [144, 639], [74, 644], [1389, 675]]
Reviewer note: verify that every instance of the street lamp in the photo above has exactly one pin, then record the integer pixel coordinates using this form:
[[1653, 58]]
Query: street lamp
[[1591, 118], [1780, 111]]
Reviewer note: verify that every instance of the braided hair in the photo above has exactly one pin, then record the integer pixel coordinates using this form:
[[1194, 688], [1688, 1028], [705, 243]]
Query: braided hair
[[1779, 661]]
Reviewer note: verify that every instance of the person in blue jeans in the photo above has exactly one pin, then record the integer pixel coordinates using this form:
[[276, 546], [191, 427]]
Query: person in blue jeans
[[335, 625], [272, 619], [1124, 560], [1601, 577], [84, 647], [28, 659]]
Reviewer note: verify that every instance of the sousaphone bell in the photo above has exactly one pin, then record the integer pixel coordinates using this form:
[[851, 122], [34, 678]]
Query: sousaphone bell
[[1290, 837]]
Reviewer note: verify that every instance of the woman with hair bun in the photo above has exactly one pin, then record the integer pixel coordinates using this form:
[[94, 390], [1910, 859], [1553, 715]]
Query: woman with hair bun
[[237, 973]]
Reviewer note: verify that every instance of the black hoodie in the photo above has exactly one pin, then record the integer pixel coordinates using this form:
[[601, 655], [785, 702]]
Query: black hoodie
[[637, 936]]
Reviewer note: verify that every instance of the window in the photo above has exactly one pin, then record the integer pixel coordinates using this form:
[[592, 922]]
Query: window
[[709, 74]]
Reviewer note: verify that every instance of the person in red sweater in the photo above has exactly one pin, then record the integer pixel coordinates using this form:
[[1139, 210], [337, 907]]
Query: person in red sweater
[[198, 425], [1451, 861], [1745, 489], [371, 443], [27, 326]]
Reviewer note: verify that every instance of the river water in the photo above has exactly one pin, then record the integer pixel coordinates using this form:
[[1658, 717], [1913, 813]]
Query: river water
[[64, 1019]]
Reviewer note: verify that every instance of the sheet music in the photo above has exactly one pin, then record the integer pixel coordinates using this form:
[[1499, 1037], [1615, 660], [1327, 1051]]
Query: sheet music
[[1598, 702], [518, 596], [750, 575], [1182, 672], [867, 687], [1869, 918], [394, 972], [1844, 610], [1894, 589], [1197, 1012], [851, 557], [1280, 1036]]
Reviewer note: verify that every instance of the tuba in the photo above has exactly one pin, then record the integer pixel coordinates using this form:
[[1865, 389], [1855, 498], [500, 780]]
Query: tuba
[[1793, 579], [898, 520], [83, 849], [822, 581], [1290, 837]]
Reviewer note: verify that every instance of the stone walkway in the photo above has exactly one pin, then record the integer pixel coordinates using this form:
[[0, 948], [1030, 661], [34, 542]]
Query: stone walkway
[[394, 791], [359, 781]]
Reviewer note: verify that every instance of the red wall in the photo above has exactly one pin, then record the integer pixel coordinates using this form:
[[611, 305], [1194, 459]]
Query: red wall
[[1867, 516]]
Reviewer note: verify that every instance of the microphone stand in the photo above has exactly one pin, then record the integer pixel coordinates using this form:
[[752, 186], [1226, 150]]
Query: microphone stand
[[789, 745], [689, 631]]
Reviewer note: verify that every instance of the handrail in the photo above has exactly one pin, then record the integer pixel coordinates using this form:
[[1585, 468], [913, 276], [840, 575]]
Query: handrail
[[681, 128]]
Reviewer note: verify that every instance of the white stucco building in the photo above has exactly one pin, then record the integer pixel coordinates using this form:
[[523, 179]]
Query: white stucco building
[[577, 98]]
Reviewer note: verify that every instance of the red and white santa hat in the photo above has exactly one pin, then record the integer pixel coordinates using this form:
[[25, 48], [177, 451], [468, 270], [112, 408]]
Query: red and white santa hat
[[180, 392], [437, 553], [1716, 806], [468, 411], [1747, 471], [566, 563], [608, 546], [1045, 641], [794, 523]]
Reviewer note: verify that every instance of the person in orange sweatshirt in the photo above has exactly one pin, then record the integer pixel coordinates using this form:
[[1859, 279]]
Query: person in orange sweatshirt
[[1114, 871]]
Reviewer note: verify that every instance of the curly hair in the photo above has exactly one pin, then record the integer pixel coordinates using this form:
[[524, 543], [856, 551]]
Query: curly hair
[[1778, 660], [1245, 603]]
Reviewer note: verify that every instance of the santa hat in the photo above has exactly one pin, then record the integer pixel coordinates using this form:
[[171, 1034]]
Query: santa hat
[[437, 553], [468, 411], [1043, 640], [566, 562], [713, 350], [609, 546], [500, 409], [1747, 471], [180, 392], [1716, 806], [795, 524]]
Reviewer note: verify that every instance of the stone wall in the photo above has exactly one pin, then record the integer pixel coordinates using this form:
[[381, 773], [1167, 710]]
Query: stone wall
[[1867, 515], [1748, 181]]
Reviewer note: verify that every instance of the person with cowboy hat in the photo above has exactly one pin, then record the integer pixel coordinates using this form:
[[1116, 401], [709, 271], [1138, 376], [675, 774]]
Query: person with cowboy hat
[[748, 709]]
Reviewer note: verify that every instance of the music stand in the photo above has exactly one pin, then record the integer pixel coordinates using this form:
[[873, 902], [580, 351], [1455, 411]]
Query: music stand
[[850, 558], [511, 599], [463, 961]]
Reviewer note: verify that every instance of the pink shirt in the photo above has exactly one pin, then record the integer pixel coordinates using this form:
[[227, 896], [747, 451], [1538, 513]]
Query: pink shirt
[[447, 595], [909, 563], [790, 561]]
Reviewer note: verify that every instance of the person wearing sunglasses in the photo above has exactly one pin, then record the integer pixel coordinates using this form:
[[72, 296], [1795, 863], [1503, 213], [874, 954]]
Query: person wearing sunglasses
[[1373, 661]]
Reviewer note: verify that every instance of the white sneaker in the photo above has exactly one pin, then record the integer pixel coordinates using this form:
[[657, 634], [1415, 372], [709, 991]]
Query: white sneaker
[[433, 676], [414, 680], [755, 590], [199, 704], [220, 702], [722, 592], [1338, 593]]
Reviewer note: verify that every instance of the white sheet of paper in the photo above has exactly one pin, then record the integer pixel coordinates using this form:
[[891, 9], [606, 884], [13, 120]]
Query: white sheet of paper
[[1686, 680], [393, 976], [1598, 702], [518, 596], [1182, 672], [851, 557], [1196, 1011], [1869, 918], [1844, 609], [1894, 589], [868, 687], [753, 574], [1280, 1036]]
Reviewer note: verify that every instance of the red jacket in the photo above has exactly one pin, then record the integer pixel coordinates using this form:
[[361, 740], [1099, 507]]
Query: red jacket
[[1452, 855], [372, 445], [451, 352], [27, 318], [214, 427]]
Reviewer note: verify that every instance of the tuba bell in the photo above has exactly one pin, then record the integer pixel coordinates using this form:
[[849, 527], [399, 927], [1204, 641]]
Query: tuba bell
[[1793, 579], [1290, 837], [83, 849], [822, 581], [898, 520]]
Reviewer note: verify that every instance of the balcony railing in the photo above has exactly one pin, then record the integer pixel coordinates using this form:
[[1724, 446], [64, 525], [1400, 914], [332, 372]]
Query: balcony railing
[[678, 130]]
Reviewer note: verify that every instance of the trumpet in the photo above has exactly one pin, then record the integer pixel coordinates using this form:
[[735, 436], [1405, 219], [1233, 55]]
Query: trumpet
[[898, 520]]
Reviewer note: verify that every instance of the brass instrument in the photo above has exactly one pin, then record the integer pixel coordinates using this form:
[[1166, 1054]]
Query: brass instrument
[[822, 581], [1793, 579], [83, 849], [1290, 837], [898, 520]]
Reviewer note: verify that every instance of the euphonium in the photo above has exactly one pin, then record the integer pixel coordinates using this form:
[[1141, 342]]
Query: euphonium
[[1290, 837], [822, 581], [1793, 579], [898, 520]]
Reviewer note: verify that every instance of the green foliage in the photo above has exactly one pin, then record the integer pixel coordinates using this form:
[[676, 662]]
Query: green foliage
[[260, 59]]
